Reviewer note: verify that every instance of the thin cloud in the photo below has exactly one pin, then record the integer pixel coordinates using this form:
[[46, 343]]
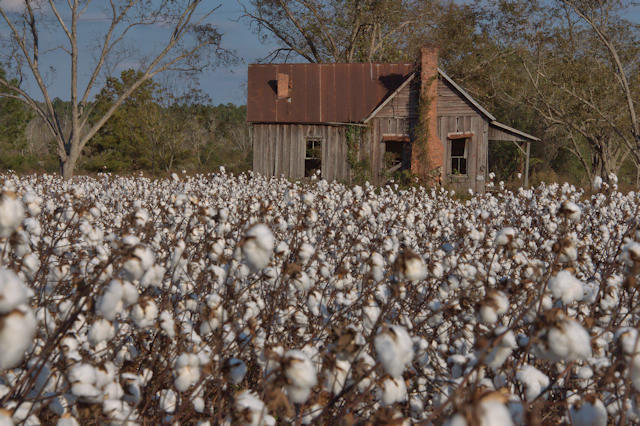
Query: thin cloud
[[12, 5]]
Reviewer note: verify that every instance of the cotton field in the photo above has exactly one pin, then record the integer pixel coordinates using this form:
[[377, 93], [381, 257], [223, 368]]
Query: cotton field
[[225, 299]]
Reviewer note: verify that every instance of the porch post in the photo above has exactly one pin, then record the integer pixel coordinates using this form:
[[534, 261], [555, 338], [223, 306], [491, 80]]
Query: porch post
[[526, 166]]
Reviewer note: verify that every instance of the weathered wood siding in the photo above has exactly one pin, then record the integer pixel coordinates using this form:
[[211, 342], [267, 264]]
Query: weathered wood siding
[[476, 154], [279, 149], [451, 103]]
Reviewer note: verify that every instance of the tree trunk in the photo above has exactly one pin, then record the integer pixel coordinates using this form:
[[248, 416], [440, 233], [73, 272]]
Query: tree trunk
[[69, 166]]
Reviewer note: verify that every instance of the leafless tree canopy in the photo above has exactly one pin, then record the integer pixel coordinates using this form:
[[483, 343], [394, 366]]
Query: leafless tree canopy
[[192, 44]]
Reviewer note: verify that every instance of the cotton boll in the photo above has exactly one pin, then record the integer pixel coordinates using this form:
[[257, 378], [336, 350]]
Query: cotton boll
[[505, 236], [301, 375], [570, 210], [501, 351], [393, 390], [257, 247], [101, 330], [251, 411], [167, 324], [17, 329], [336, 377], [589, 412], [394, 349], [305, 252], [153, 276], [168, 400], [495, 304], [186, 371], [597, 183], [410, 266], [566, 287], [66, 420], [565, 340], [110, 303], [533, 380], [631, 253], [144, 314], [12, 291], [129, 293], [494, 413], [11, 213], [140, 261]]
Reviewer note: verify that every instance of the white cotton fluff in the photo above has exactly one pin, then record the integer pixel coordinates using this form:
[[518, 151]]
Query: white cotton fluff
[[501, 351], [494, 413], [305, 252], [110, 302], [336, 377], [631, 253], [570, 210], [301, 375], [101, 330], [589, 412], [258, 247], [168, 400], [17, 329], [140, 261], [566, 287], [414, 269], [253, 409], [533, 380], [505, 236], [393, 390], [12, 291], [153, 276], [495, 304], [597, 183], [167, 324], [567, 340], [11, 214], [186, 371], [83, 382], [144, 314], [129, 293], [66, 420], [630, 344], [394, 349]]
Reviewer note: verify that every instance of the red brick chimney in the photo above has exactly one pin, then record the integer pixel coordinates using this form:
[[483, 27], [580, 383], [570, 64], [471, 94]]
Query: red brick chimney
[[283, 85], [427, 158]]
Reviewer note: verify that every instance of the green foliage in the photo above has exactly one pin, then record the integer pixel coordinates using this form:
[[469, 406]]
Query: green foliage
[[14, 117], [360, 168], [158, 131]]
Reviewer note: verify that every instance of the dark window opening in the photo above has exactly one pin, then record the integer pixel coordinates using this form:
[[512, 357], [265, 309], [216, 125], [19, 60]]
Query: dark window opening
[[459, 156], [395, 155], [313, 157]]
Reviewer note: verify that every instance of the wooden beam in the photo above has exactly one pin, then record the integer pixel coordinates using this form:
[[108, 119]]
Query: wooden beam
[[526, 166], [459, 135]]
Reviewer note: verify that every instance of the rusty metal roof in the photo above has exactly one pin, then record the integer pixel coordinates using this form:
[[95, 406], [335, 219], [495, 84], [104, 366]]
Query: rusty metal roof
[[321, 93]]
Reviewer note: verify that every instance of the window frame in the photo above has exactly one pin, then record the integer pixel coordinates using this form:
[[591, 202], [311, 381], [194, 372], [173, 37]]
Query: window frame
[[317, 148], [465, 156]]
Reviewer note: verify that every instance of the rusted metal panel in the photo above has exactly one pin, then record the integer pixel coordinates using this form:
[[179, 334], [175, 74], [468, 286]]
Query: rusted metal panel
[[321, 93]]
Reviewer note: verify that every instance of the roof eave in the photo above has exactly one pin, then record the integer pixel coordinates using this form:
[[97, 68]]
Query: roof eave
[[517, 132]]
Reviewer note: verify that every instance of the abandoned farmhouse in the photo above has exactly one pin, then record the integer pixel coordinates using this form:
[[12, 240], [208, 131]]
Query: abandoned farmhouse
[[337, 118]]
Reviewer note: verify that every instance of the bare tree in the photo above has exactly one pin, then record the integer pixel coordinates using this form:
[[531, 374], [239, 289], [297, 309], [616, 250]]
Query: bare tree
[[191, 45], [336, 30], [596, 15]]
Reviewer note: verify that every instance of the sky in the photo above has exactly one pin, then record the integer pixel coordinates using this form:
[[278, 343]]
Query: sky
[[223, 84]]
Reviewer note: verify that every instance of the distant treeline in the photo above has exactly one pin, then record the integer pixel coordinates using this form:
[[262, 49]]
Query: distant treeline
[[155, 131]]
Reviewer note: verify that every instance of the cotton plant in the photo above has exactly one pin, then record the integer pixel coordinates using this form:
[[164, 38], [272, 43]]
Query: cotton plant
[[240, 299]]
